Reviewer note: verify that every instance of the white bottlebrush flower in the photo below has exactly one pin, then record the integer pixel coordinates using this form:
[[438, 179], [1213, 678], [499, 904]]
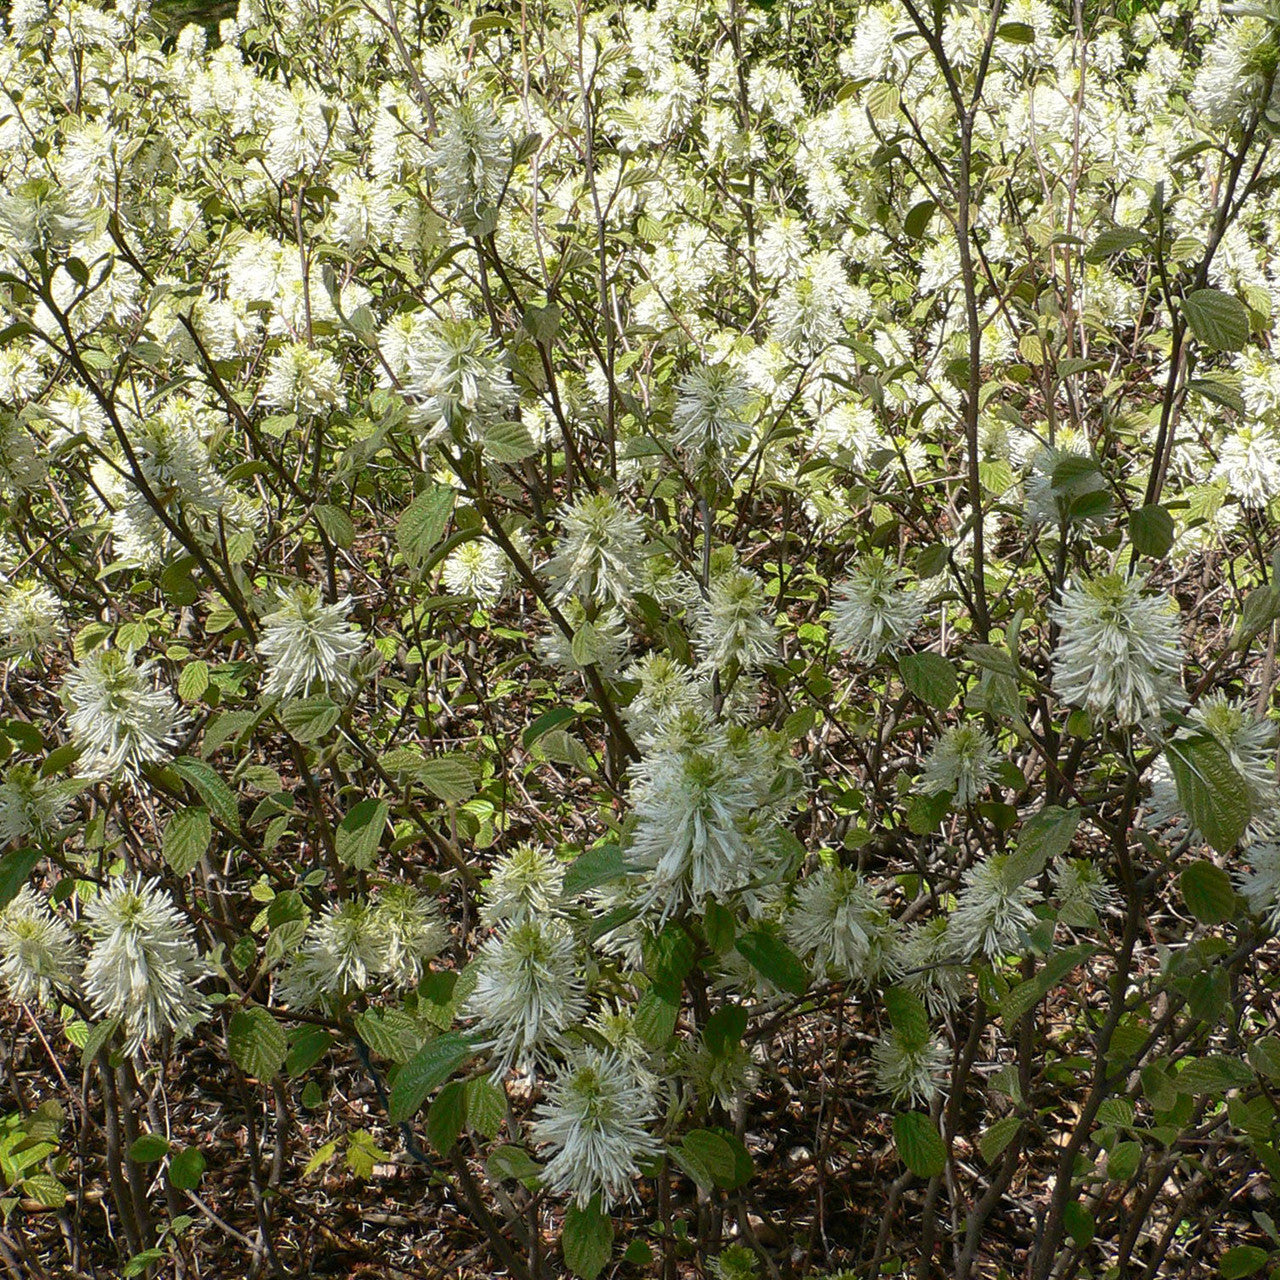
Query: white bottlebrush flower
[[834, 923], [1081, 891], [926, 965], [302, 379], [873, 611], [30, 615], [37, 950], [601, 642], [1237, 71], [118, 717], [907, 1070], [342, 952], [595, 1119], [732, 623], [31, 807], [143, 964], [962, 761], [991, 914], [309, 645], [693, 805], [453, 369], [712, 414], [413, 929], [1119, 652], [1260, 884], [1250, 744], [478, 568], [529, 991], [470, 160], [23, 464], [667, 689], [599, 553], [723, 1077], [524, 884], [299, 130], [1249, 463]]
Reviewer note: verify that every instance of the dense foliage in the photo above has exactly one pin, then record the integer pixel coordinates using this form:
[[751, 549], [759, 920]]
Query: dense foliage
[[637, 581]]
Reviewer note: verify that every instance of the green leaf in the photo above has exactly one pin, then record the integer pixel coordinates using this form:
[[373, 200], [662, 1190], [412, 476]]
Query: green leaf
[[186, 1168], [1243, 1260], [1212, 793], [508, 442], [547, 721], [1016, 33], [1212, 1075], [1044, 836], [514, 1163], [1079, 1224], [15, 867], [186, 837], [1264, 1056], [336, 524], [1207, 891], [309, 719], [916, 223], [774, 960], [602, 865], [1113, 240], [925, 813], [210, 788], [446, 1116], [587, 1239], [256, 1042], [655, 1018], [148, 1149], [193, 681], [919, 1144], [1219, 392], [1122, 1161], [1151, 528], [718, 1155], [486, 1106], [725, 1028], [1026, 995], [930, 677], [360, 833], [997, 1136], [432, 1065], [1220, 320], [422, 524], [139, 1263], [908, 1015], [450, 778], [45, 1189], [308, 1045]]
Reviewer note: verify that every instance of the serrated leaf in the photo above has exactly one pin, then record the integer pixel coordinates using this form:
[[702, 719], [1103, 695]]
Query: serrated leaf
[[1264, 1056], [186, 1168], [587, 1239], [1122, 1161], [1212, 1075], [1151, 528], [1113, 240], [594, 867], [149, 1148], [486, 1106], [997, 1136], [45, 1189], [360, 833], [193, 681], [655, 1018], [930, 677], [1208, 893], [446, 1116], [725, 1028], [256, 1042], [15, 867], [1210, 790], [1219, 392], [308, 1045], [514, 1163], [909, 1017], [1220, 320], [1242, 1260], [210, 787], [449, 778], [919, 1144], [774, 960], [508, 442], [309, 719], [186, 838], [321, 1156], [1045, 835], [423, 522], [1079, 1224], [917, 220], [432, 1065], [336, 524]]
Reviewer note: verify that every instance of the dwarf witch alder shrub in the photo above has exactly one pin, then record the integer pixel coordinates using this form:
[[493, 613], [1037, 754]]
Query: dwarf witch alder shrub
[[641, 580]]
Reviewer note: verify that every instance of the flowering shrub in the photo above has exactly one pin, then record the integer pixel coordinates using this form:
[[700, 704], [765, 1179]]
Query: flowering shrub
[[600, 567]]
